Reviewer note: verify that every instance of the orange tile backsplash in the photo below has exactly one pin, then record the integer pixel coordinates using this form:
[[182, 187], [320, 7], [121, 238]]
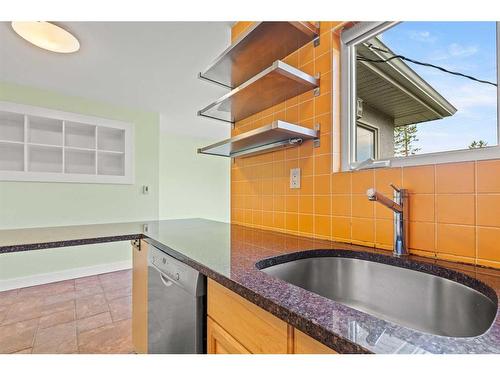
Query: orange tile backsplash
[[454, 207]]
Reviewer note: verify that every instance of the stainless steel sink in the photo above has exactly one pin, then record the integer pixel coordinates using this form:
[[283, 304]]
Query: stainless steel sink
[[414, 299]]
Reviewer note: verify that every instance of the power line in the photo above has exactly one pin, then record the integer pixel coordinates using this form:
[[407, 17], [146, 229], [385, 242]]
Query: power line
[[401, 57]]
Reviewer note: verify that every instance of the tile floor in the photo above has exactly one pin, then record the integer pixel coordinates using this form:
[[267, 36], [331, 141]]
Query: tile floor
[[87, 315]]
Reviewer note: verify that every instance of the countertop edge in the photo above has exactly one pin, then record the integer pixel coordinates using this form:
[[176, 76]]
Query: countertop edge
[[338, 343], [9, 249]]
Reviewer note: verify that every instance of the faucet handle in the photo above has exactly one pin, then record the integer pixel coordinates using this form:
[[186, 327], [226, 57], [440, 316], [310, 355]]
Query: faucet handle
[[398, 190]]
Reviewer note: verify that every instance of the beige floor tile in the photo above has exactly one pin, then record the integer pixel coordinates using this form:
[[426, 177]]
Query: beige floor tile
[[91, 305], [93, 322], [8, 297], [60, 297], [17, 336], [88, 291], [118, 293], [57, 339], [116, 280], [24, 351], [42, 318], [22, 311], [121, 308], [47, 289], [54, 308], [3, 312], [87, 282], [111, 338], [56, 318]]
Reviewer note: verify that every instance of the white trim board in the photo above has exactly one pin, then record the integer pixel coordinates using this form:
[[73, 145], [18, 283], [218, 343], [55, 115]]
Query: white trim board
[[73, 273]]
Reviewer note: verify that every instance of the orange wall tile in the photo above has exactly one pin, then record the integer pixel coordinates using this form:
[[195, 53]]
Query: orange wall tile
[[488, 172], [455, 178], [487, 246], [422, 207], [422, 236], [456, 240], [488, 210], [454, 207], [419, 179], [384, 234], [362, 231]]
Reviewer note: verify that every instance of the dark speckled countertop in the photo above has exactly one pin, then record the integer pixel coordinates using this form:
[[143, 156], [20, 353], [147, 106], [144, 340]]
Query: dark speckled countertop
[[229, 253]]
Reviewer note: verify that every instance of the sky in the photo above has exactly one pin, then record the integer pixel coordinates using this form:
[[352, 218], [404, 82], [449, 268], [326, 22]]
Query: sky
[[466, 47]]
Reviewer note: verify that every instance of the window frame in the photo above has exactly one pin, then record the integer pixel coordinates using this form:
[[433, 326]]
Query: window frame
[[355, 35], [376, 135]]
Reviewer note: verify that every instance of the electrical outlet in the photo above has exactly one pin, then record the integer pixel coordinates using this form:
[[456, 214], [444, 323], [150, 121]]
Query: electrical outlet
[[295, 178]]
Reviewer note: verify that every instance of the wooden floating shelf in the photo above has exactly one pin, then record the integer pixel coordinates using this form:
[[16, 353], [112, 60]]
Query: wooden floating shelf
[[256, 49], [278, 134], [272, 86]]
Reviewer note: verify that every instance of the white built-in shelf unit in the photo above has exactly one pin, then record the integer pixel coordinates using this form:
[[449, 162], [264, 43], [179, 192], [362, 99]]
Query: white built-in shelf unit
[[41, 144]]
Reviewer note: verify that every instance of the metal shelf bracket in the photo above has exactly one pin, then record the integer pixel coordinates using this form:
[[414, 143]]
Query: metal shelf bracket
[[316, 40], [317, 91], [317, 142]]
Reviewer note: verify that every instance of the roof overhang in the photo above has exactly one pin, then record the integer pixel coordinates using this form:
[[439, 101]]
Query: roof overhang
[[394, 89]]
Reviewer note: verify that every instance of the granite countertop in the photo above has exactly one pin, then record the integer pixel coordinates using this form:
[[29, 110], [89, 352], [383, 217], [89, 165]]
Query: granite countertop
[[228, 254]]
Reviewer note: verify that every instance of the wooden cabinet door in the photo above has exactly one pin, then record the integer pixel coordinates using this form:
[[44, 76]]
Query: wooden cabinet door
[[256, 329], [140, 296], [304, 344], [221, 342]]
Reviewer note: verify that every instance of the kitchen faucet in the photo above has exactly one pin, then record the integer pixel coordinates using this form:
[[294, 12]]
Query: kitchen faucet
[[400, 208]]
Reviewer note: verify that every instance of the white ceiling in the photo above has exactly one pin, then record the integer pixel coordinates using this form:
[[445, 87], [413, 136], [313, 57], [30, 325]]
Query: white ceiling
[[145, 65]]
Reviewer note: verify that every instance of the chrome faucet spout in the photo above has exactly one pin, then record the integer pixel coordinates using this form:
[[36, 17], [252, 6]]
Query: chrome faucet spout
[[374, 195], [400, 208]]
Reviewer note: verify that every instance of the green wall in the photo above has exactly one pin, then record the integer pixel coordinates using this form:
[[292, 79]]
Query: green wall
[[39, 204], [182, 184], [191, 184]]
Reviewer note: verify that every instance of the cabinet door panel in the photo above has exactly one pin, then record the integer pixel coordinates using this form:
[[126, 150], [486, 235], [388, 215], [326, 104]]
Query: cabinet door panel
[[221, 342], [304, 344], [256, 329]]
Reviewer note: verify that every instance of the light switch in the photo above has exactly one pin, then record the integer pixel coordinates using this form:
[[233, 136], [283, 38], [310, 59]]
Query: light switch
[[295, 178], [145, 189]]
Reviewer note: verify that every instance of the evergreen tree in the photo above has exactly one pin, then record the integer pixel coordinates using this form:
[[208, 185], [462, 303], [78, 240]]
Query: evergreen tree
[[478, 144], [404, 140]]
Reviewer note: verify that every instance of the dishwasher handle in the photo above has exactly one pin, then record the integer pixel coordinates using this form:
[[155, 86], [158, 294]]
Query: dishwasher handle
[[165, 280], [176, 272]]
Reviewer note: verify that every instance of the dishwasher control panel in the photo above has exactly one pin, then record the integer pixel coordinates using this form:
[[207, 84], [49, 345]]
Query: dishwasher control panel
[[175, 270], [166, 265]]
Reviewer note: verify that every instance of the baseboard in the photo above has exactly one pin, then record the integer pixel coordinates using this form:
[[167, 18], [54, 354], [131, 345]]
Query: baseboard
[[73, 273]]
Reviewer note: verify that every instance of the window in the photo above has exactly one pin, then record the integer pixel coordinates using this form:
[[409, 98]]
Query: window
[[419, 93], [366, 142]]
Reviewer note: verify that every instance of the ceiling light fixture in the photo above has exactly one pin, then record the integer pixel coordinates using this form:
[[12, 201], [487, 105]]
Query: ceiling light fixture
[[48, 36]]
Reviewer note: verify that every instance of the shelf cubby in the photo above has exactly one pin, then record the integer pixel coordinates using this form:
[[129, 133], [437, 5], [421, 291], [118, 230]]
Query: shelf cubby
[[11, 127], [45, 159], [79, 161], [110, 163], [11, 156], [110, 139], [42, 144], [45, 131], [79, 135]]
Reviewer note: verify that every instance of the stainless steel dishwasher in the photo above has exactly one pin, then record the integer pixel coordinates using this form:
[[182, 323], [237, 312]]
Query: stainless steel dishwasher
[[176, 306]]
